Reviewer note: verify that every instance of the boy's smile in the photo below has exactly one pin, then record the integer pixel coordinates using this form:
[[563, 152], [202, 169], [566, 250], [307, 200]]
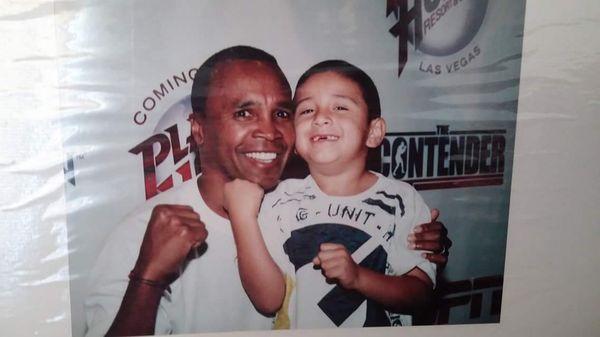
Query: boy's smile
[[322, 138]]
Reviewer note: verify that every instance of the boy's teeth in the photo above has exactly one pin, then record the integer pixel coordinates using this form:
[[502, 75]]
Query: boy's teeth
[[262, 156], [317, 138]]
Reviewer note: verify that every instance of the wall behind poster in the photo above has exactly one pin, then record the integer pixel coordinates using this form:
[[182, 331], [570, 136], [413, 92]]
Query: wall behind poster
[[129, 71]]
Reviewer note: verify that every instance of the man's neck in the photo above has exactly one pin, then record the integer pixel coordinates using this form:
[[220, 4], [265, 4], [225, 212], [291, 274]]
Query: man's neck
[[349, 181], [210, 187]]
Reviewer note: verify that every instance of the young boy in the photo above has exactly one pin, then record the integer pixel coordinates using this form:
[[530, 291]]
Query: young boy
[[343, 228]]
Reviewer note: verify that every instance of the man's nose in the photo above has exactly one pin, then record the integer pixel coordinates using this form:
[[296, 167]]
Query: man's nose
[[267, 129], [322, 117]]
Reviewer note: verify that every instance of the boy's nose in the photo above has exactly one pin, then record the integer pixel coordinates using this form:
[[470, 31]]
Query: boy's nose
[[322, 117]]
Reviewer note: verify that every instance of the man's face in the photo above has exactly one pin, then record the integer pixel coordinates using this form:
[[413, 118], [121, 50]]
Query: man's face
[[248, 129]]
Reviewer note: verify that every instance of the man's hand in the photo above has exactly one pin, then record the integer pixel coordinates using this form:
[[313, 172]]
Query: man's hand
[[432, 237], [242, 198], [173, 230], [337, 265]]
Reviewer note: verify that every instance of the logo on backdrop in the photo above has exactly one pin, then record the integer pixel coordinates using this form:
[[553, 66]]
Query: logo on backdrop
[[165, 88], [445, 159], [427, 160], [438, 28], [168, 156]]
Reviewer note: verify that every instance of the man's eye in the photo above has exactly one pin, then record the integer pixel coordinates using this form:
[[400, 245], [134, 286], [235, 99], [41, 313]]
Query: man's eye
[[282, 114], [242, 114]]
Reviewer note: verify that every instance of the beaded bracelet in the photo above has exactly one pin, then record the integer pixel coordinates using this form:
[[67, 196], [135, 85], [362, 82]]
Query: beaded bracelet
[[152, 283]]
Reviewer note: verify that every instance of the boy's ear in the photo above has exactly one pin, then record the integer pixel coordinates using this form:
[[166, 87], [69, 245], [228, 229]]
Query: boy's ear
[[197, 130], [377, 130]]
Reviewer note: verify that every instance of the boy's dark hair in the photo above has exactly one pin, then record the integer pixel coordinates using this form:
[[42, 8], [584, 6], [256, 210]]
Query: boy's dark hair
[[368, 89], [204, 74], [353, 73]]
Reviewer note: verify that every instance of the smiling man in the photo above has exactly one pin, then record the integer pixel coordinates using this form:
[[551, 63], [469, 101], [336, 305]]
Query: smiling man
[[243, 125], [171, 267]]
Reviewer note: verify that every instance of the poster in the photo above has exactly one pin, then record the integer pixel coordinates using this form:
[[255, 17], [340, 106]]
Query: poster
[[447, 74]]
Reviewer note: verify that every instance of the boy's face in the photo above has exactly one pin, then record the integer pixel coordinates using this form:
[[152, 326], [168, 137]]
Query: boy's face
[[331, 122]]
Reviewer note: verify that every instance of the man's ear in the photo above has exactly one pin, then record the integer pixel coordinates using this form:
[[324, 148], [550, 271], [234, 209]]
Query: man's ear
[[197, 129], [377, 129]]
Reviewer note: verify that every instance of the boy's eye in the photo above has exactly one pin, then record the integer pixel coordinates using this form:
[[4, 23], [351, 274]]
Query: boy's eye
[[282, 114], [242, 114], [306, 111], [340, 108]]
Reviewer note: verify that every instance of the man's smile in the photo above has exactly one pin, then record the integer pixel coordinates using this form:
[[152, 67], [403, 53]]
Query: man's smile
[[264, 157]]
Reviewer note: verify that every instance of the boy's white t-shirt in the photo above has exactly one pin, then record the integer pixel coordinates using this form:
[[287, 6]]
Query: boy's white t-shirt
[[373, 226]]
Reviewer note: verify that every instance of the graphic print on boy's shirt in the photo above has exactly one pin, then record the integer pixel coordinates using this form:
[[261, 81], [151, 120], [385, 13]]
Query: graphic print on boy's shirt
[[370, 225]]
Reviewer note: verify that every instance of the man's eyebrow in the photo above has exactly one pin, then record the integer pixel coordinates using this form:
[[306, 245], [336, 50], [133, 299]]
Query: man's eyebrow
[[287, 105], [246, 104]]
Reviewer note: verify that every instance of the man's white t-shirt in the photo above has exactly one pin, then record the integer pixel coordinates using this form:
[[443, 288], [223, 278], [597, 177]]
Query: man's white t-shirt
[[207, 297], [373, 226]]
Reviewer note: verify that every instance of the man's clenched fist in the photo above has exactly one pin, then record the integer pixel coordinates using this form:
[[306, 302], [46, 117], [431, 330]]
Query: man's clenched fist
[[173, 230]]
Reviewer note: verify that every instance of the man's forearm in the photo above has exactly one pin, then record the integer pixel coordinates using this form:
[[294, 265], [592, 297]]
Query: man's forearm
[[137, 314], [406, 294]]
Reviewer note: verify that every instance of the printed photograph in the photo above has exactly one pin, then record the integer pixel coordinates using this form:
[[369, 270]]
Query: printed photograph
[[235, 166]]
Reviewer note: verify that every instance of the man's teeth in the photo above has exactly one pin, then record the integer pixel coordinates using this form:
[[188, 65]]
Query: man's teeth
[[262, 156], [318, 138]]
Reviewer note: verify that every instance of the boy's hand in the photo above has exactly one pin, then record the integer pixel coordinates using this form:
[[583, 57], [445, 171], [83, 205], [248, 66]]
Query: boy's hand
[[337, 264], [432, 237], [242, 198]]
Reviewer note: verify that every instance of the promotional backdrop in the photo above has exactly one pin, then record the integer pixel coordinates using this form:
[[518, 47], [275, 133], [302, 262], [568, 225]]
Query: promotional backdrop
[[447, 74]]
